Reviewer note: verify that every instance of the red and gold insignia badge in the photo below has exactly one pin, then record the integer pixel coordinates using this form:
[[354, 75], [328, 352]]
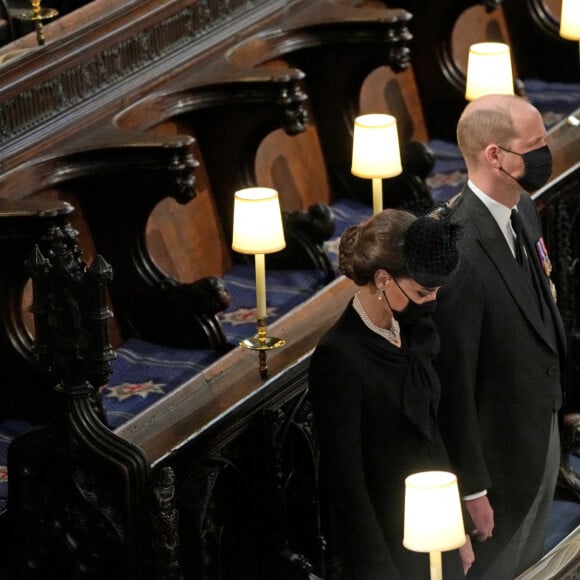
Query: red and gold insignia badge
[[543, 255], [546, 264]]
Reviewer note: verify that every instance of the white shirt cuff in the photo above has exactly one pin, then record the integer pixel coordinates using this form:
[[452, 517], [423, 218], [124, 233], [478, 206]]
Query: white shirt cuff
[[475, 495]]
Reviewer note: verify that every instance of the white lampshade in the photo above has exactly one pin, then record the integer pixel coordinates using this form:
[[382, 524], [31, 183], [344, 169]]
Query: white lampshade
[[375, 147], [257, 221], [489, 70], [433, 520], [570, 20]]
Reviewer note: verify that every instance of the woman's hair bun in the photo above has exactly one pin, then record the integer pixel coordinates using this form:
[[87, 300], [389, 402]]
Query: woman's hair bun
[[346, 250]]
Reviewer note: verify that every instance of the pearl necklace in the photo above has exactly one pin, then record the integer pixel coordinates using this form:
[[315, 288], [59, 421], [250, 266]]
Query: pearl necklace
[[392, 334]]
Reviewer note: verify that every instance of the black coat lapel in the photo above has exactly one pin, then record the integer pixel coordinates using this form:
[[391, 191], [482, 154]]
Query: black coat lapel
[[490, 238]]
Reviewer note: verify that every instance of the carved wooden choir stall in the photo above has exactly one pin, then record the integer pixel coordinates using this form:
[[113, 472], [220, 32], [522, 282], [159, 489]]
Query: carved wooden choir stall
[[137, 439]]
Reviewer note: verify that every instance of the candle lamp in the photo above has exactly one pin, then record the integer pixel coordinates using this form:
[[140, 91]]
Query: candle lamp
[[433, 518], [375, 152], [570, 20], [38, 15], [258, 230], [489, 70]]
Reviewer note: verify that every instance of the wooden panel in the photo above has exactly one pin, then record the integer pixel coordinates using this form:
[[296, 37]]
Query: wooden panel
[[187, 242], [385, 91], [474, 25], [295, 167]]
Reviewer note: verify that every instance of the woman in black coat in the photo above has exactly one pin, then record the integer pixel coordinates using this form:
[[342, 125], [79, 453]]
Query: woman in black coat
[[375, 393]]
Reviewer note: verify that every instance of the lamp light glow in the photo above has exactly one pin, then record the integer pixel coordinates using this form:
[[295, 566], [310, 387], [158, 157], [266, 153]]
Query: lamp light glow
[[375, 152], [489, 70], [570, 20], [433, 518], [257, 221], [258, 230]]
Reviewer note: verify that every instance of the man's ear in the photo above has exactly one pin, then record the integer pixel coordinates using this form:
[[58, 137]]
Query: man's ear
[[491, 154]]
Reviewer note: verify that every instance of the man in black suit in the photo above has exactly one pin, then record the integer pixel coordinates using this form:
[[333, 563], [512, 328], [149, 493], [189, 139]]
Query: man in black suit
[[503, 342]]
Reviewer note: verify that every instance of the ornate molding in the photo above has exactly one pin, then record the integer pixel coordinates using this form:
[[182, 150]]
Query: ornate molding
[[128, 56]]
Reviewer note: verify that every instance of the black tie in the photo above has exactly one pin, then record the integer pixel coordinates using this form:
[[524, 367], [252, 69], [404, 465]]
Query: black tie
[[517, 227], [521, 255], [519, 240], [524, 260]]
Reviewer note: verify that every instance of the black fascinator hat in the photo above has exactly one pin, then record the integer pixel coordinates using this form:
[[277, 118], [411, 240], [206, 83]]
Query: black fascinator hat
[[430, 249]]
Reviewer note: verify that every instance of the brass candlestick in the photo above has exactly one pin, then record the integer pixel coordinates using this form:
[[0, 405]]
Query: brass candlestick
[[258, 230], [37, 15], [262, 343]]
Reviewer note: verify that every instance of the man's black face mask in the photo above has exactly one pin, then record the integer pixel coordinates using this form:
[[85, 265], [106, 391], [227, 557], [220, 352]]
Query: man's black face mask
[[537, 168]]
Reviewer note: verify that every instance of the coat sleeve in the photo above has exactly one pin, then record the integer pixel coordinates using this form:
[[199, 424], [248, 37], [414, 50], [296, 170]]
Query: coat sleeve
[[459, 319], [336, 398]]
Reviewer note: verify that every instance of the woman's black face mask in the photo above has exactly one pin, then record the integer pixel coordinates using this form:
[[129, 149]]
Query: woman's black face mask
[[537, 168], [413, 312]]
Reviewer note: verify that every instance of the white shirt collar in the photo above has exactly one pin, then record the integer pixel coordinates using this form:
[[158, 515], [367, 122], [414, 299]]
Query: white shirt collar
[[500, 213]]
